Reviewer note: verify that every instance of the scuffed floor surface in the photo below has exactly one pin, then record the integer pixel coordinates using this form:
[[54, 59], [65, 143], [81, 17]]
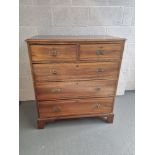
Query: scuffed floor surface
[[87, 136]]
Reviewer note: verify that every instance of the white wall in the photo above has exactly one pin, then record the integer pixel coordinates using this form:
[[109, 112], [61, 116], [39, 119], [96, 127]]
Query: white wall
[[77, 17]]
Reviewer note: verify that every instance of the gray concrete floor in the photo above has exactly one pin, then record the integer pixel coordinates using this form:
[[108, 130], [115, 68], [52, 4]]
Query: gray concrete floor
[[87, 136]]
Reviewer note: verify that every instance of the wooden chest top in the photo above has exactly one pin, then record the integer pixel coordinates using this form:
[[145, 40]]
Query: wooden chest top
[[81, 38]]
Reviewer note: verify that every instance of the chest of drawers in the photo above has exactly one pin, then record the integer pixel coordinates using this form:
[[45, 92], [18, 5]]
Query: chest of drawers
[[75, 76]]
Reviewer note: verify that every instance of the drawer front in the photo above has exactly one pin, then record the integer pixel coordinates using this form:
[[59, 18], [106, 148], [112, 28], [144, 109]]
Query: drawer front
[[100, 52], [75, 107], [71, 71], [80, 89], [53, 53]]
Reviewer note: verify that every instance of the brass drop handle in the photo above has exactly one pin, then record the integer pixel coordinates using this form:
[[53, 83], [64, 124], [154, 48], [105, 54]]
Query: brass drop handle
[[56, 109], [101, 52], [53, 53], [56, 90], [100, 70], [53, 71], [97, 106]]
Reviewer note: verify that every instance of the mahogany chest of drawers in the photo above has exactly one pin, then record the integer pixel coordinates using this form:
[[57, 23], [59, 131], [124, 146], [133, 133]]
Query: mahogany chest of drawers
[[75, 76]]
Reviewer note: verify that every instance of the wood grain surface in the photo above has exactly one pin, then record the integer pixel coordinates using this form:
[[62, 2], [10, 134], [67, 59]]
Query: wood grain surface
[[100, 52], [79, 89], [75, 107], [75, 76], [53, 52], [75, 71]]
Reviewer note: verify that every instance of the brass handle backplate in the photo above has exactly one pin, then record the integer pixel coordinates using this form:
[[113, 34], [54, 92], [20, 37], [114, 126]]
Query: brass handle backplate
[[97, 106], [101, 52], [56, 109], [56, 90], [100, 70], [53, 71], [53, 53]]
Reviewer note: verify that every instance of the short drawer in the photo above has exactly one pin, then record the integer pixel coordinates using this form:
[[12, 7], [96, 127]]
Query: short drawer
[[100, 52], [79, 89], [75, 107], [75, 71], [53, 53]]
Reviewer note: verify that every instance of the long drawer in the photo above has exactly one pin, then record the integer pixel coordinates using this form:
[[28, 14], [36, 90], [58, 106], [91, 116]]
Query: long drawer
[[75, 107], [100, 52], [54, 53], [79, 89], [75, 71]]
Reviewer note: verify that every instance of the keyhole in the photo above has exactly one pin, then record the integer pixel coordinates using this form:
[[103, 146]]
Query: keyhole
[[100, 46], [98, 89]]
